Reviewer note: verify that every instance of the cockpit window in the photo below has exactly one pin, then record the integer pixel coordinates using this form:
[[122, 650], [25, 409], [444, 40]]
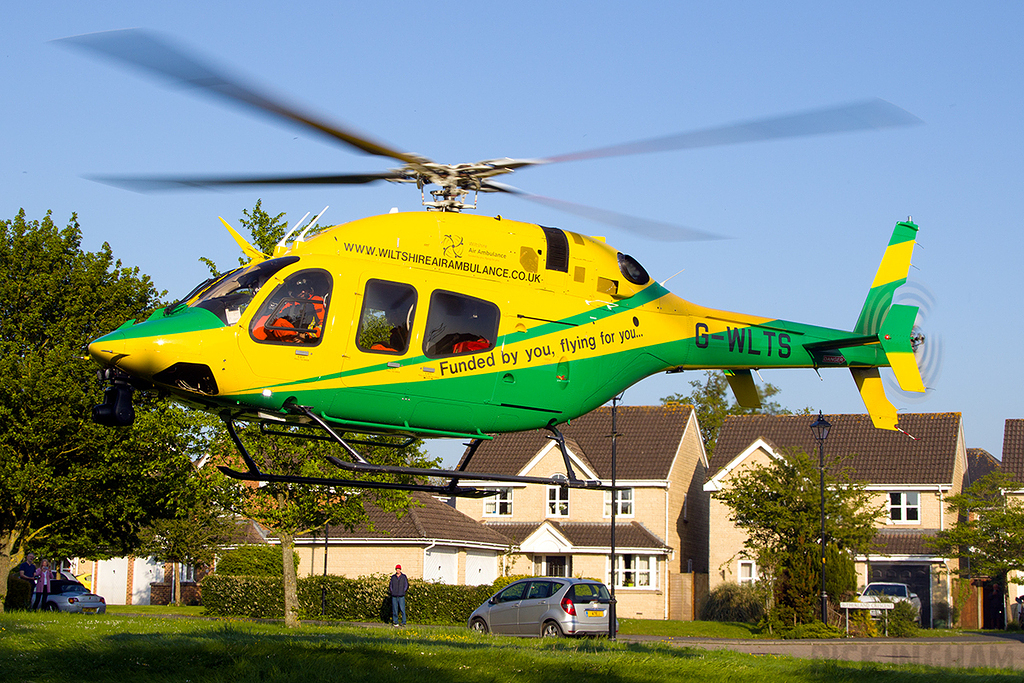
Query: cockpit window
[[459, 324], [229, 297], [295, 312], [387, 317]]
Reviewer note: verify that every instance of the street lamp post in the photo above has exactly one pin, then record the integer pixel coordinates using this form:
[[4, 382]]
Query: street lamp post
[[820, 429]]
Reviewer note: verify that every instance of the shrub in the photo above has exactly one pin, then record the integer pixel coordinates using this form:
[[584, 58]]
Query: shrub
[[903, 620], [253, 560], [503, 581], [814, 629], [733, 602], [245, 596], [19, 592], [335, 597]]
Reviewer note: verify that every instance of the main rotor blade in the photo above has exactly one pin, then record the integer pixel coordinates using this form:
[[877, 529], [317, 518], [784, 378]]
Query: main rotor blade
[[657, 230], [157, 183], [152, 53], [871, 114]]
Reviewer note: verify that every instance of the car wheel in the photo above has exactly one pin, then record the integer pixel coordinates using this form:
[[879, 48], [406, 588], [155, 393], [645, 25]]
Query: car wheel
[[479, 625], [550, 630], [52, 607]]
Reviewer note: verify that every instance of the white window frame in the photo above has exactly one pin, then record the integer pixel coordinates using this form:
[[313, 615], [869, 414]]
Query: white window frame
[[903, 507], [557, 501], [626, 500], [500, 504], [636, 572], [746, 572]]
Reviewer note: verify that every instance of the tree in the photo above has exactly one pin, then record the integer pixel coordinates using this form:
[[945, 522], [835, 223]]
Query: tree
[[778, 505], [200, 526], [67, 485], [988, 532], [713, 402], [266, 231]]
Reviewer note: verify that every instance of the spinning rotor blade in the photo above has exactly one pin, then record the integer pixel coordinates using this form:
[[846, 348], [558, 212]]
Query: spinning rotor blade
[[871, 114], [151, 53], [158, 183], [657, 230]]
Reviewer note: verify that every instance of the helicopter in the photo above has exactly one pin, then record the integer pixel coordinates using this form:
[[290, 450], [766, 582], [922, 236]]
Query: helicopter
[[442, 323]]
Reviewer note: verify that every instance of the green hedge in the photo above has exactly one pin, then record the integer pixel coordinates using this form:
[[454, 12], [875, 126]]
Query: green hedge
[[335, 597], [253, 560]]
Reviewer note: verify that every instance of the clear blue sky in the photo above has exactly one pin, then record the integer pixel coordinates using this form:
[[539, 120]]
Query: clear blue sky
[[460, 82]]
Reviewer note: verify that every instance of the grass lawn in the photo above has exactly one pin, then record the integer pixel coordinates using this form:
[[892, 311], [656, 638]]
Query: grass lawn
[[44, 647]]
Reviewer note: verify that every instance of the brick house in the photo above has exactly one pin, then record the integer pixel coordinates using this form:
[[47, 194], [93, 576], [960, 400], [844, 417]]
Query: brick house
[[661, 517], [911, 474]]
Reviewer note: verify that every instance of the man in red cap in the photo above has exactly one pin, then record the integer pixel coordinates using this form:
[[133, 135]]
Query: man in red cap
[[397, 587]]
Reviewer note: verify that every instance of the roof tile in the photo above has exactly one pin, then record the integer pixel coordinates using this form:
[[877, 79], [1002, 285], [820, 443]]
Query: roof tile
[[877, 456], [649, 437]]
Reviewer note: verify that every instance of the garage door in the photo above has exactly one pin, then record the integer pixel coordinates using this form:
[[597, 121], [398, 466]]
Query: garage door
[[917, 576]]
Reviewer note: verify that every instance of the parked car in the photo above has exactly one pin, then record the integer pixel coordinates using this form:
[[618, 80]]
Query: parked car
[[546, 606], [67, 594], [890, 592]]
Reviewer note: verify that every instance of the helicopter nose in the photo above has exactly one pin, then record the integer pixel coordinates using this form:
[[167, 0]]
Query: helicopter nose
[[108, 349]]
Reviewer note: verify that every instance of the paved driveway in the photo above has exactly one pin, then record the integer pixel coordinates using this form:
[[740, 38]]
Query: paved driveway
[[1002, 651]]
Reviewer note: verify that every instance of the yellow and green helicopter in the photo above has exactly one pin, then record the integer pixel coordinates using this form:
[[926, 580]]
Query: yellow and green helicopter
[[445, 324]]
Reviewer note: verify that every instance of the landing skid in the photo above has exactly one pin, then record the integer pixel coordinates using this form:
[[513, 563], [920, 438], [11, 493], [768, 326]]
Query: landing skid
[[359, 464]]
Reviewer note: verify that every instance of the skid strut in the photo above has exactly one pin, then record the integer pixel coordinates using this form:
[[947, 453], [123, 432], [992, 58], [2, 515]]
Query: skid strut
[[359, 464]]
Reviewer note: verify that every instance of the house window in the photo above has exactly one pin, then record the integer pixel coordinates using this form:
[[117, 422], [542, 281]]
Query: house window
[[747, 572], [636, 571], [558, 501], [500, 504], [624, 500], [554, 565], [905, 507]]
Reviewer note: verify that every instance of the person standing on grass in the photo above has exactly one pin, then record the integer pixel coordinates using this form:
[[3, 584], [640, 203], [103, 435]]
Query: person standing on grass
[[42, 588], [398, 587], [27, 572]]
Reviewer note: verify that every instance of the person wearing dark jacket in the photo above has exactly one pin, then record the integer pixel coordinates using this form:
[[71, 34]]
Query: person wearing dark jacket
[[398, 587]]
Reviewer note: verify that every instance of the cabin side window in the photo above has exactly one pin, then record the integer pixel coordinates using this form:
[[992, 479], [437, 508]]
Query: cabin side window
[[386, 320], [459, 324], [295, 312]]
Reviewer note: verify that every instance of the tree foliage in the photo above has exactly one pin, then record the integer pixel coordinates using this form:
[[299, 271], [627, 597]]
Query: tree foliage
[[713, 401], [67, 485], [778, 506], [988, 533]]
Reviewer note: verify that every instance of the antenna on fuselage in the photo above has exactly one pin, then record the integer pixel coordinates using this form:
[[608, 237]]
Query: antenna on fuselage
[[302, 237], [284, 240]]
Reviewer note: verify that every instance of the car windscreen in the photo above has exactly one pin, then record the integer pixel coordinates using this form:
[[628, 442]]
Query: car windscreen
[[589, 592], [887, 589]]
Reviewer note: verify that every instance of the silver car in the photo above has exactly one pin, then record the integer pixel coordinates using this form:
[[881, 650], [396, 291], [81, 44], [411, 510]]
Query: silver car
[[890, 592], [546, 606], [68, 595]]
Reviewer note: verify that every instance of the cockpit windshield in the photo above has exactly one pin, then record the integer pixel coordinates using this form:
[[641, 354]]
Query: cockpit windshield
[[229, 297]]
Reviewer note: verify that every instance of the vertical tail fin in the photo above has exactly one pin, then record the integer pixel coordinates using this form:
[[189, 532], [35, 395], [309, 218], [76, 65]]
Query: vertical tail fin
[[892, 272], [893, 324]]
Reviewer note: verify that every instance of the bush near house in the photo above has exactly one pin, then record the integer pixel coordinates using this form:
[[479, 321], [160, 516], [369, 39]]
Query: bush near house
[[335, 597]]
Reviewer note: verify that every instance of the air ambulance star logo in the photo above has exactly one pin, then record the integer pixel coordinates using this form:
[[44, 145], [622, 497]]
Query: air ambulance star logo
[[452, 246]]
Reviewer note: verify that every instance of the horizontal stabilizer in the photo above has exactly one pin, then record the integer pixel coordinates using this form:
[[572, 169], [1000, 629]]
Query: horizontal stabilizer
[[869, 383], [742, 383]]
